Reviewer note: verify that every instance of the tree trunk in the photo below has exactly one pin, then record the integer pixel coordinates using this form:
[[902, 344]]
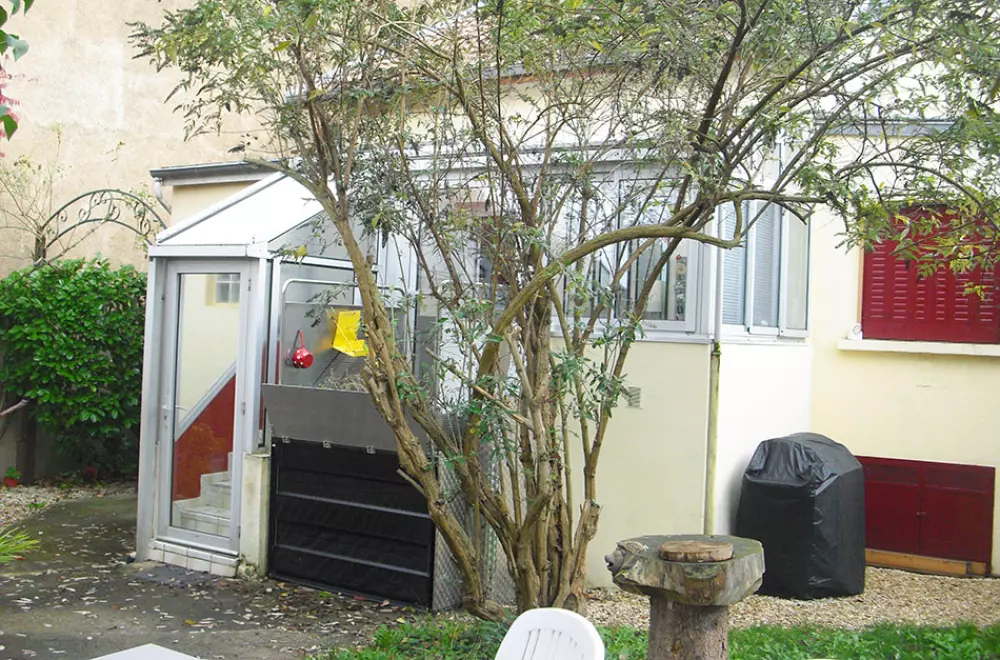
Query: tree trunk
[[687, 632], [27, 444]]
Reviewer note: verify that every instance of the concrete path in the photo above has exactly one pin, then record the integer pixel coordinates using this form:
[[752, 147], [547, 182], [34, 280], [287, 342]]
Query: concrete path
[[76, 598]]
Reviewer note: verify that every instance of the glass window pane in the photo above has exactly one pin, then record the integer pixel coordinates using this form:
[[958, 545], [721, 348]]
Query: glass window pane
[[734, 273], [204, 405], [668, 297], [319, 238], [767, 256], [313, 297], [797, 285], [227, 288], [606, 291], [576, 223], [668, 294]]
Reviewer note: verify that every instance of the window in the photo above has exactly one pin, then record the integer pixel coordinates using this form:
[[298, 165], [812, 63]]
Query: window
[[765, 280], [623, 199], [899, 304], [668, 304], [225, 288], [667, 299]]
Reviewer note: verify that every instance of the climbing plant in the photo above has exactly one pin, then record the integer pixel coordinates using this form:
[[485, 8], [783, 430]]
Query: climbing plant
[[37, 224], [72, 336]]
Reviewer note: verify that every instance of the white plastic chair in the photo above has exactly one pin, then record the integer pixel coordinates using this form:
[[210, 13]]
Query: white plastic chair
[[550, 633]]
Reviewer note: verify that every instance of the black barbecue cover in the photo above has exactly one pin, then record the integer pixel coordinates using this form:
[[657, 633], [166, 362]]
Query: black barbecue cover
[[803, 498]]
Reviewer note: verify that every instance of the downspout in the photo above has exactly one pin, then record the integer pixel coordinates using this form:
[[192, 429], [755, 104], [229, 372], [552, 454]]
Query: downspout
[[715, 360], [158, 191]]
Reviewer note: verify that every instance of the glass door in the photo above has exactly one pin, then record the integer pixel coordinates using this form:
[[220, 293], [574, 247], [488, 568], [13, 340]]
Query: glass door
[[201, 409]]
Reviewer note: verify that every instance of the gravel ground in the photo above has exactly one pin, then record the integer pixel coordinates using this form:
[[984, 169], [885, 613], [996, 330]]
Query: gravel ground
[[21, 501], [890, 596]]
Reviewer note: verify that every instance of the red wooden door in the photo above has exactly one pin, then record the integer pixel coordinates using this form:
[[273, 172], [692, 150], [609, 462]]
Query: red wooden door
[[933, 509], [958, 512], [892, 505]]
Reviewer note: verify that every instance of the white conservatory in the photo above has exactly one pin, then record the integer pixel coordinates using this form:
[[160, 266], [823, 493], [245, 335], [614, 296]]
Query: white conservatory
[[227, 315]]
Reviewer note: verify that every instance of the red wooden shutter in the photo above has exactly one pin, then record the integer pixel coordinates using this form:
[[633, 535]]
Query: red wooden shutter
[[898, 304]]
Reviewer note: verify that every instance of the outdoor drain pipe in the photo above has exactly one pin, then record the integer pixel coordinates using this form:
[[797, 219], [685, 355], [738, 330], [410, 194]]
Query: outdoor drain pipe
[[715, 361], [158, 193]]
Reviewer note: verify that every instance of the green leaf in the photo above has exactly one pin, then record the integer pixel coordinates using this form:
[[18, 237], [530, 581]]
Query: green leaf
[[18, 47], [8, 121]]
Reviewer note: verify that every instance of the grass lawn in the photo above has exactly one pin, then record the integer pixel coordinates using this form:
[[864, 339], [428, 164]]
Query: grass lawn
[[446, 640]]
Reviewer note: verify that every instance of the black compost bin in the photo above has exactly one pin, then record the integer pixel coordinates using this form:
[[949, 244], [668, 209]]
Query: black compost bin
[[803, 498]]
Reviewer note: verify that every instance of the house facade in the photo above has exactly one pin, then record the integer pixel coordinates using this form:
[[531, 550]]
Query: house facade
[[675, 453], [674, 459], [905, 369], [792, 358]]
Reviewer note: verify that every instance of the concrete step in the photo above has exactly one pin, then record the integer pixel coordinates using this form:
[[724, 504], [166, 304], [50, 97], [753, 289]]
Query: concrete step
[[216, 489], [194, 514]]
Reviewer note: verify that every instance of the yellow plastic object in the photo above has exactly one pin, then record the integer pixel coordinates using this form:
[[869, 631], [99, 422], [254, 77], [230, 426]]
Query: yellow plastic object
[[345, 333]]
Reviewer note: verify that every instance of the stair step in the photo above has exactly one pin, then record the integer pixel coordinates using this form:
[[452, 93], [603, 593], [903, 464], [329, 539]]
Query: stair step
[[196, 515], [216, 489], [206, 512]]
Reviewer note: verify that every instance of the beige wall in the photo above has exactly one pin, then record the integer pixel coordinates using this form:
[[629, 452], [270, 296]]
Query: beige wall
[[80, 76], [651, 475], [897, 405], [186, 200]]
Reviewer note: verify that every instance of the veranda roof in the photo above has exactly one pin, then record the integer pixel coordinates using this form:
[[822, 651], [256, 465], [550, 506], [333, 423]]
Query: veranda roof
[[243, 224]]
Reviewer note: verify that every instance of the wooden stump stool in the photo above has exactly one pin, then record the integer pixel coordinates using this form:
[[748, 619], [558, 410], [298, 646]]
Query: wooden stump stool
[[691, 581]]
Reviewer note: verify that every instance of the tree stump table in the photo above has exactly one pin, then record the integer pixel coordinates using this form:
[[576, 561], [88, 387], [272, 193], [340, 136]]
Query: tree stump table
[[691, 581]]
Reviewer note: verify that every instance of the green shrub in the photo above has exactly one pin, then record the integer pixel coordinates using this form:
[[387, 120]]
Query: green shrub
[[71, 336]]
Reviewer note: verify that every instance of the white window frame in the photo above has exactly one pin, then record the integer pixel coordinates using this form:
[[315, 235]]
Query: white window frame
[[747, 328], [692, 293]]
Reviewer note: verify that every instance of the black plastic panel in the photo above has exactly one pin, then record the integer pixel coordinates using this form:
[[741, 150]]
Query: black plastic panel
[[343, 519]]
